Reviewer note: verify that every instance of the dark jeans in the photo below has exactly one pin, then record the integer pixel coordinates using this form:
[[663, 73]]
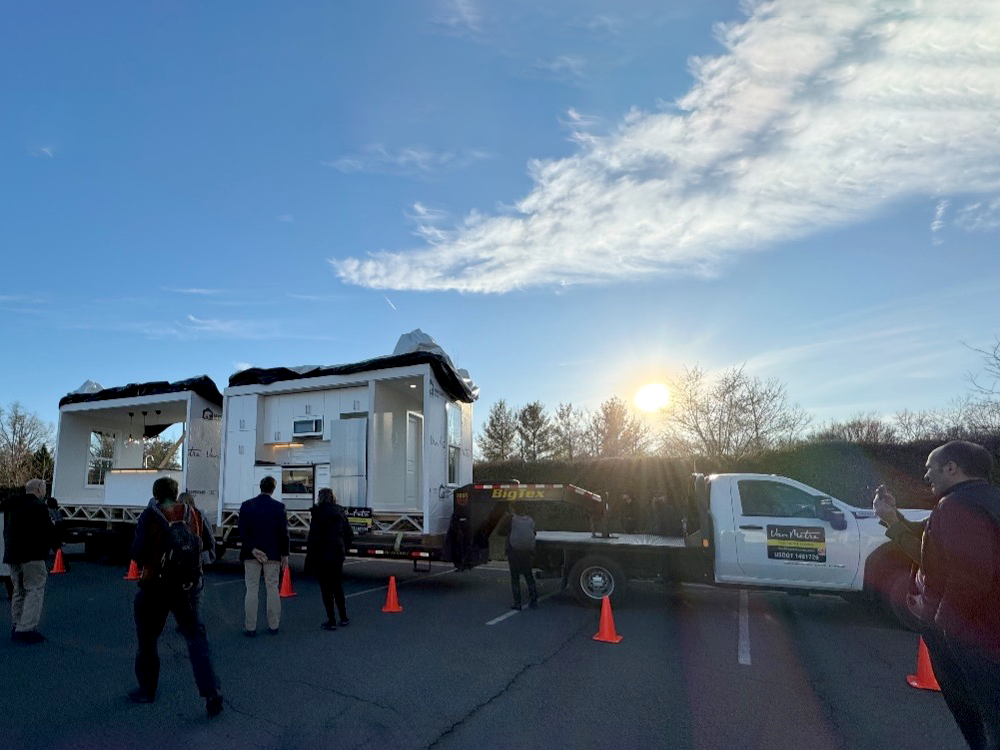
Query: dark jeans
[[152, 605], [970, 683], [520, 565], [331, 587]]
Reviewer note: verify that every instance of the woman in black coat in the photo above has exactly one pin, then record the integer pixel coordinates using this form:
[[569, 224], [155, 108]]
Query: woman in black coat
[[329, 537]]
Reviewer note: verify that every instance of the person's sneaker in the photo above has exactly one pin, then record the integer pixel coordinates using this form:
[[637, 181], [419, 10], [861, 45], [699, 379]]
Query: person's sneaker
[[213, 705], [249, 633], [345, 622], [140, 696], [328, 625], [272, 631]]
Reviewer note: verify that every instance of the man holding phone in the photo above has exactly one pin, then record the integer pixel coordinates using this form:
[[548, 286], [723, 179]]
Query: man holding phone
[[956, 586]]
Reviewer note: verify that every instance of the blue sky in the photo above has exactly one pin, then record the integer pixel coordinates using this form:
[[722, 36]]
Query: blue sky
[[573, 197]]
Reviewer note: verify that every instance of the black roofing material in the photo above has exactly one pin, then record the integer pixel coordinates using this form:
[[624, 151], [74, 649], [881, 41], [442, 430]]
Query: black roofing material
[[445, 373], [203, 386]]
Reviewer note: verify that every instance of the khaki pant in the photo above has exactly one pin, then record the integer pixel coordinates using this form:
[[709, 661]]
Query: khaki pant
[[251, 573], [29, 594]]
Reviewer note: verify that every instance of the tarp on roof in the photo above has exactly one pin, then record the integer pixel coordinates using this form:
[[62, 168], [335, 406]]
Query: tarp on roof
[[451, 381], [203, 385]]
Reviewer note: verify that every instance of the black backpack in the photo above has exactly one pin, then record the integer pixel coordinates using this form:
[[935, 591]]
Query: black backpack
[[181, 561]]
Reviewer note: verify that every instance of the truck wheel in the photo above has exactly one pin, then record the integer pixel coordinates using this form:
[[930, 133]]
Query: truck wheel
[[594, 577], [220, 550], [895, 600]]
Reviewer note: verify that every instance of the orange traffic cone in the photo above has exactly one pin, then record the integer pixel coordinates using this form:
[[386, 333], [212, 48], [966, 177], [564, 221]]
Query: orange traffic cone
[[391, 602], [58, 566], [924, 679], [606, 632], [133, 572], [286, 585]]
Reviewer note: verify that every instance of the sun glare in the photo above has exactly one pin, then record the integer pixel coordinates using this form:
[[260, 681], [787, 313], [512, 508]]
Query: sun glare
[[652, 397]]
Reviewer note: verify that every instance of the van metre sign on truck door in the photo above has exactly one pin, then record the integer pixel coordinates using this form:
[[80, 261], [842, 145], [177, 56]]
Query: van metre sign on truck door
[[796, 543]]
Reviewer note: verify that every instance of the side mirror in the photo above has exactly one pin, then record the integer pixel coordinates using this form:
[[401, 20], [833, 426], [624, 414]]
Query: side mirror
[[827, 511]]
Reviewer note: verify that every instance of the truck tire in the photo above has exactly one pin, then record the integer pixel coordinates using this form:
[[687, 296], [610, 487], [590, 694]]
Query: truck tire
[[898, 586], [594, 577]]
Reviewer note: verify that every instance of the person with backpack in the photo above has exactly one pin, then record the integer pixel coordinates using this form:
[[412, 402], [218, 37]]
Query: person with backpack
[[29, 535], [956, 585], [520, 555], [168, 547]]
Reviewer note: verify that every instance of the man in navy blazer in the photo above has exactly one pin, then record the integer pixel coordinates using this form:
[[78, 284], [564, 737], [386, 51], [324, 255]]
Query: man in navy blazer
[[264, 535]]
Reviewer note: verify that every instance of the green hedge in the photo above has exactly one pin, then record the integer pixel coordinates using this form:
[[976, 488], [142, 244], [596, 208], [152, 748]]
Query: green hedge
[[848, 471]]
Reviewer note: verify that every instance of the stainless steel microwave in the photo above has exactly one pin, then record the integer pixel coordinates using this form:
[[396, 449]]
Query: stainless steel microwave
[[307, 427]]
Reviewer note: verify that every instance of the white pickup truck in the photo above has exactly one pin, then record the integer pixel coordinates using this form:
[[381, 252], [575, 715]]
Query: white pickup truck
[[745, 530]]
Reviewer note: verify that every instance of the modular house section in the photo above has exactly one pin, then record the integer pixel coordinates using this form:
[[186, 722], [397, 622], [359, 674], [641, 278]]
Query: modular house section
[[104, 470], [391, 436]]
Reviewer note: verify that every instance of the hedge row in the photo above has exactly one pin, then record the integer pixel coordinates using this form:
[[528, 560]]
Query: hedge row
[[847, 471]]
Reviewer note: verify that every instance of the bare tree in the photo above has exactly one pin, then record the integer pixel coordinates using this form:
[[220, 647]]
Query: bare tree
[[567, 432], [22, 433], [499, 438], [863, 427], [534, 432], [731, 416]]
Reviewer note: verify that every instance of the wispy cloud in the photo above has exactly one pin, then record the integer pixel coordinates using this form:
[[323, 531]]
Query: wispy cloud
[[458, 18], [982, 216], [240, 366], [197, 291], [562, 69], [42, 152], [938, 224], [412, 160], [286, 218], [818, 115]]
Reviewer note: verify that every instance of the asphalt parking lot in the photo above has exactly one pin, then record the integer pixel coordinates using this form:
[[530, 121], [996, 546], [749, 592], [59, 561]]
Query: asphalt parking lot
[[697, 667]]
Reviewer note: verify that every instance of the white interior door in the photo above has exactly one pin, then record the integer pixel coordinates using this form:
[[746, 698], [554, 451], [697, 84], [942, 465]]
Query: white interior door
[[414, 458]]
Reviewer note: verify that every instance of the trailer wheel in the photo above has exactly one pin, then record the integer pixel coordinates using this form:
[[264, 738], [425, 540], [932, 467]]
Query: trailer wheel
[[594, 577]]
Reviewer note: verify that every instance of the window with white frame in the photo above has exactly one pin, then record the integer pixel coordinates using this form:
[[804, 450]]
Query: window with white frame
[[102, 456], [454, 441]]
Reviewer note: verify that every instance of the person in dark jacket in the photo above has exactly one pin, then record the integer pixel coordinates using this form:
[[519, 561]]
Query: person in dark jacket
[[158, 596], [263, 530], [330, 535], [956, 588], [630, 514], [29, 535], [520, 548]]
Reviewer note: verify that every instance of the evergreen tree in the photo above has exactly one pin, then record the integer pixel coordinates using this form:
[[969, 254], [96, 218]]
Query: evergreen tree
[[499, 439], [534, 432]]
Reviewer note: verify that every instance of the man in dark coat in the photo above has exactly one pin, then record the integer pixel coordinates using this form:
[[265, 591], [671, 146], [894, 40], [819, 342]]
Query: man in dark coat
[[160, 595], [330, 535], [263, 530], [29, 534], [630, 514], [957, 585]]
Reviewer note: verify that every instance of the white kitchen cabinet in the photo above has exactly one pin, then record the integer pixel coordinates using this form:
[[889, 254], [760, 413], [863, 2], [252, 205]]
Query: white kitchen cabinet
[[241, 414]]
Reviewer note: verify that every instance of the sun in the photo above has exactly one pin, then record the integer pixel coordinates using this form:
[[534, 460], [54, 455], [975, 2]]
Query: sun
[[652, 397]]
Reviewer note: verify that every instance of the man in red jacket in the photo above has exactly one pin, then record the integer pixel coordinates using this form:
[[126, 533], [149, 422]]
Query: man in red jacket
[[956, 589]]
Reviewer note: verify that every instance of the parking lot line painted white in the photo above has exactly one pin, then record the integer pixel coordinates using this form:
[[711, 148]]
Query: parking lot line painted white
[[399, 584], [513, 612], [743, 650]]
